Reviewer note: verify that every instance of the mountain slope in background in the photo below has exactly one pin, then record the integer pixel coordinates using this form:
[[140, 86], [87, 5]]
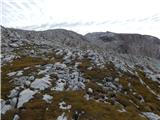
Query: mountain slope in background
[[61, 75], [136, 44]]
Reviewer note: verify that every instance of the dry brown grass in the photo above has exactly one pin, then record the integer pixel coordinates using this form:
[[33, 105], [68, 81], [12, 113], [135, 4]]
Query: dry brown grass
[[151, 102]]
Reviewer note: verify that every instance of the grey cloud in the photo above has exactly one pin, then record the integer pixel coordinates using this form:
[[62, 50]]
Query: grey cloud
[[14, 5], [66, 24], [154, 18], [26, 5]]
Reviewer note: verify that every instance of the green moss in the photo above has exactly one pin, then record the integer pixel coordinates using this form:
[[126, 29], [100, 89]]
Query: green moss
[[38, 109], [21, 63], [97, 74], [6, 87], [92, 109]]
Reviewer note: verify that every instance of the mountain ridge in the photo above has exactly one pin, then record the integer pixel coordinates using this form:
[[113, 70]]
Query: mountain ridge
[[122, 42]]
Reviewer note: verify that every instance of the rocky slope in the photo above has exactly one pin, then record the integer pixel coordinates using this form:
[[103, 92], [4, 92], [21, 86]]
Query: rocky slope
[[135, 44], [61, 75]]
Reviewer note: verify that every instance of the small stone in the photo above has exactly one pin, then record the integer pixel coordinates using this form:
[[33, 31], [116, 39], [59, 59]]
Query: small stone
[[13, 45], [31, 78], [32, 51], [19, 73], [16, 117], [117, 79], [11, 74], [26, 68], [52, 59], [14, 40], [13, 93], [64, 106], [90, 68], [87, 97], [47, 98], [90, 90], [27, 83]]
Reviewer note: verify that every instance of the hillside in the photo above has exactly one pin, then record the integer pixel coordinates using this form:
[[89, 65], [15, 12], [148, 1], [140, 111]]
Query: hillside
[[62, 75]]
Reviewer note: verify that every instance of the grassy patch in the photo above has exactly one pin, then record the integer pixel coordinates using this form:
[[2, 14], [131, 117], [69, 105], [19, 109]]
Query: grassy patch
[[93, 110], [151, 103], [34, 110], [96, 73], [152, 84], [6, 87], [38, 109], [9, 115], [21, 63]]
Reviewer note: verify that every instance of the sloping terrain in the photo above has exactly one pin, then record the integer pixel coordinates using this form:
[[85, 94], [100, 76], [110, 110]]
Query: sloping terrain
[[61, 75], [135, 44]]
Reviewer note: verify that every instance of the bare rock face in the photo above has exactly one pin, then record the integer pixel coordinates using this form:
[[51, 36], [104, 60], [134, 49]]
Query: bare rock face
[[133, 44], [136, 44], [49, 37]]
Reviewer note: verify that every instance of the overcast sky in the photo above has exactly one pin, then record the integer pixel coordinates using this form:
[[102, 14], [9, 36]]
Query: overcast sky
[[83, 16]]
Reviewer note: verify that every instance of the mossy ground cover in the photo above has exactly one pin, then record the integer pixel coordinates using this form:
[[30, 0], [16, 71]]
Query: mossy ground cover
[[38, 109], [20, 64], [151, 102], [17, 64], [97, 73], [130, 101]]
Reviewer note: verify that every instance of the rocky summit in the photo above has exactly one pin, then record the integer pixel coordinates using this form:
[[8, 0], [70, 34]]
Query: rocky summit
[[62, 75]]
